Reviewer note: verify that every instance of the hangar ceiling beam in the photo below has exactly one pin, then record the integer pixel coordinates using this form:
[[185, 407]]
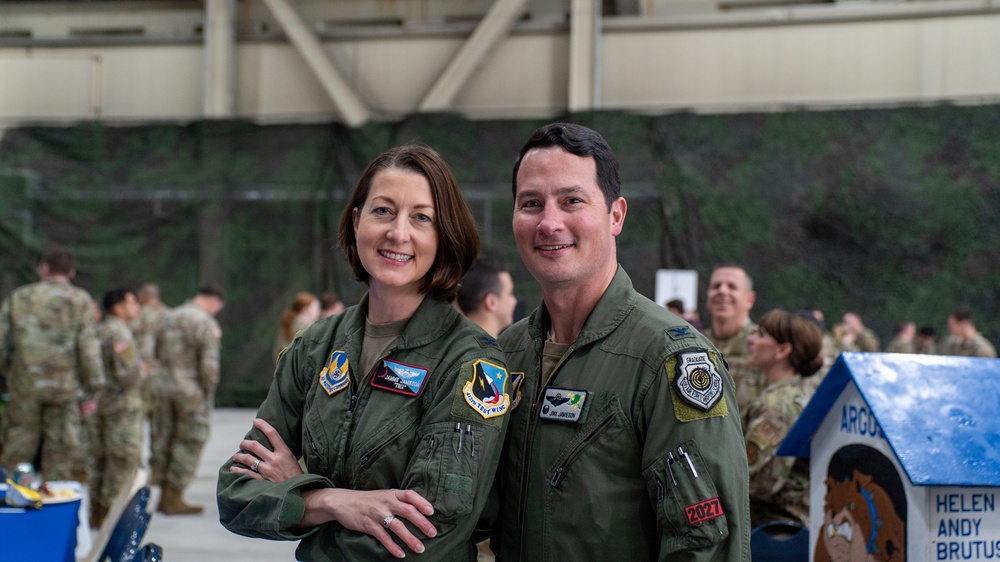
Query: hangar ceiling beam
[[347, 102], [583, 37], [494, 26], [219, 59]]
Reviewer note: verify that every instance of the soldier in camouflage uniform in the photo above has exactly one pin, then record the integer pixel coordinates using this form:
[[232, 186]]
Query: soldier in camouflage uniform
[[188, 348], [51, 356], [963, 337], [786, 348], [117, 446], [144, 329], [853, 335], [730, 298], [904, 340]]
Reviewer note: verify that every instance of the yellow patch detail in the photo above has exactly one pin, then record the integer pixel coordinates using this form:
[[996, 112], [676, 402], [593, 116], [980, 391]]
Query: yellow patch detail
[[684, 411]]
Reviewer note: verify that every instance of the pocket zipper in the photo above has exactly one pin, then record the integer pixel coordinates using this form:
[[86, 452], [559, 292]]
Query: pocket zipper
[[558, 473]]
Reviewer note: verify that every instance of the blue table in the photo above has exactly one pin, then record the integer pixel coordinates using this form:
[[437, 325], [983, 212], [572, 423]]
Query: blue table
[[49, 533]]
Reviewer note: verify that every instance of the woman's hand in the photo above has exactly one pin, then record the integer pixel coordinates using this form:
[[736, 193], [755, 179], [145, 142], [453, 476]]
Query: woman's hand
[[378, 513], [260, 463]]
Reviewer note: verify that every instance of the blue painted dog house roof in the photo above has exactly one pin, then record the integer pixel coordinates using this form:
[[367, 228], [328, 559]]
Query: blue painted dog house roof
[[940, 415]]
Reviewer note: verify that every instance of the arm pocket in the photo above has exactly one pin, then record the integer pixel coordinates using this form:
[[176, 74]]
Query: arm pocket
[[689, 512], [445, 467]]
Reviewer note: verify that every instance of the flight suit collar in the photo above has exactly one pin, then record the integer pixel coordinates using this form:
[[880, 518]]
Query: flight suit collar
[[613, 307], [430, 321]]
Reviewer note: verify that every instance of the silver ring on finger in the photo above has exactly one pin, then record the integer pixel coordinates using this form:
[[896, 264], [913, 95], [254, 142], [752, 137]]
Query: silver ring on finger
[[388, 521], [255, 464]]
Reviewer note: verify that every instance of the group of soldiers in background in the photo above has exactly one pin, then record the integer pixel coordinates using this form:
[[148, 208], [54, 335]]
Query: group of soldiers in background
[[68, 369], [81, 384], [729, 300]]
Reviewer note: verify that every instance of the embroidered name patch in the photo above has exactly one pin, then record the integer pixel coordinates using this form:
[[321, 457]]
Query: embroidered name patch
[[335, 376], [400, 378], [698, 382], [561, 404], [487, 391], [703, 511], [516, 378]]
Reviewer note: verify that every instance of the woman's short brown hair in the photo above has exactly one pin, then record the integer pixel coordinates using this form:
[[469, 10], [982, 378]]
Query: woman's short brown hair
[[458, 238], [802, 332]]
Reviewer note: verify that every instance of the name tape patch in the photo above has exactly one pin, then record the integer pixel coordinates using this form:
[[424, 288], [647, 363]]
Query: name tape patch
[[562, 404], [335, 376], [698, 381], [703, 511], [487, 391], [400, 378]]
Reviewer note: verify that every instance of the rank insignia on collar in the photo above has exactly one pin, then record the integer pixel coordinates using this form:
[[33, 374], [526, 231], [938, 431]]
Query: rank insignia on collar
[[487, 340], [680, 332], [562, 404], [516, 378], [698, 382], [336, 375], [400, 378], [487, 391]]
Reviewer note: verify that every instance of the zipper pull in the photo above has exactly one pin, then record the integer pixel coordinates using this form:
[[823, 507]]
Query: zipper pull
[[660, 490], [430, 447], [354, 402], [556, 477]]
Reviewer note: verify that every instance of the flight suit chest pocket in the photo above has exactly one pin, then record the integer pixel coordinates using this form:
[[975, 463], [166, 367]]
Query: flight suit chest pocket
[[687, 504]]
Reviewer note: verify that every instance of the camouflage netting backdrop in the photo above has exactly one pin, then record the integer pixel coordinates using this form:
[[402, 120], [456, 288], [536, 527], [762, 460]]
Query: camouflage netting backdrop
[[893, 213]]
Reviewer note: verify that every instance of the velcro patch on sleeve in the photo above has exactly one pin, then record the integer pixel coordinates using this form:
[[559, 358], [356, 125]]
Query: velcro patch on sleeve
[[482, 392], [696, 385], [703, 511]]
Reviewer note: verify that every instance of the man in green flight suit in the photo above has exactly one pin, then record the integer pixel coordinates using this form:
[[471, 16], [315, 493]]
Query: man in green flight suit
[[625, 440]]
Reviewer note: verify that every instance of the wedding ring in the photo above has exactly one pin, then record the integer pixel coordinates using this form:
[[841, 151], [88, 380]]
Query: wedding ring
[[388, 521], [255, 464]]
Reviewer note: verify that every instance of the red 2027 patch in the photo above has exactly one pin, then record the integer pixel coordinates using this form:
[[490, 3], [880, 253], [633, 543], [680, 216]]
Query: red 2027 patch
[[703, 511]]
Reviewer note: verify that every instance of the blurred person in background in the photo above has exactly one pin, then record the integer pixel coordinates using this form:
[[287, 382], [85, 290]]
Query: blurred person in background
[[51, 357], [730, 299], [396, 406], [852, 334], [486, 295], [963, 337], [927, 340], [117, 445], [904, 338], [786, 348], [301, 314], [188, 347], [330, 304]]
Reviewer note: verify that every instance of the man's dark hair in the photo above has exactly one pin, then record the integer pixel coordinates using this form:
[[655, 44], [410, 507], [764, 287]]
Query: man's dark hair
[[59, 260], [113, 297], [963, 314], [928, 331], [675, 303], [579, 141], [212, 290], [482, 279]]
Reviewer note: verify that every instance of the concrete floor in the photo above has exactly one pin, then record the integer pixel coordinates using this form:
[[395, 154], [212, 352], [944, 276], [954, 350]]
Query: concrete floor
[[201, 538]]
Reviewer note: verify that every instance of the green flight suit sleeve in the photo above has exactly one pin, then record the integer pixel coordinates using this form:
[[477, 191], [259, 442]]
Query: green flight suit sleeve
[[695, 467], [258, 508]]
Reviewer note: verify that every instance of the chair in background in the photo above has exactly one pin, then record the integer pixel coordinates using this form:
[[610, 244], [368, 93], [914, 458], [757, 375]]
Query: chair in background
[[123, 545], [779, 541]]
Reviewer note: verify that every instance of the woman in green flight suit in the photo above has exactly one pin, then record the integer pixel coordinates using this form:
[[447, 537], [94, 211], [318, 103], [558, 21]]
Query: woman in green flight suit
[[397, 406]]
